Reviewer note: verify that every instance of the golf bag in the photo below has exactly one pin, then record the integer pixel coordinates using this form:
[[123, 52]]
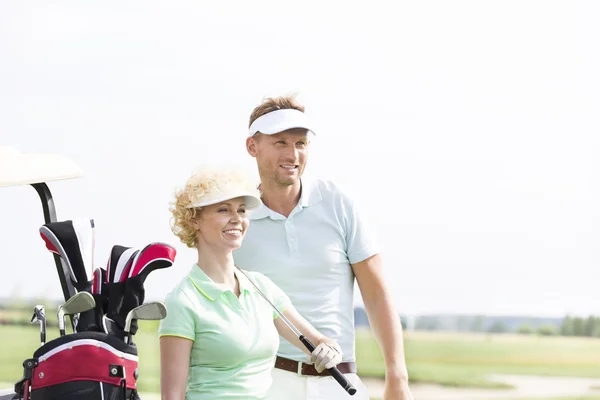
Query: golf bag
[[98, 361], [82, 365]]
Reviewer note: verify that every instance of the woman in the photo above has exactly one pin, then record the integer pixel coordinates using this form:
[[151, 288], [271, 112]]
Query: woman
[[220, 337]]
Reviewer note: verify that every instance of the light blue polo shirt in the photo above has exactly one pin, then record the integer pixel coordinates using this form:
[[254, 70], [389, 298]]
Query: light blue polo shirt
[[309, 256], [235, 339]]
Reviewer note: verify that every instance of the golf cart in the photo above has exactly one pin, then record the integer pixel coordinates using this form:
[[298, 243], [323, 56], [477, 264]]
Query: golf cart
[[98, 360]]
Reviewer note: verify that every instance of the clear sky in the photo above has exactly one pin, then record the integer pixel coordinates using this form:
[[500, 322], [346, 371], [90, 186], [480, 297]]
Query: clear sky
[[469, 132]]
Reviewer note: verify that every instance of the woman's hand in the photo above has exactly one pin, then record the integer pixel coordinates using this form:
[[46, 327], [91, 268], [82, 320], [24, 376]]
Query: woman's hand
[[327, 352], [326, 355]]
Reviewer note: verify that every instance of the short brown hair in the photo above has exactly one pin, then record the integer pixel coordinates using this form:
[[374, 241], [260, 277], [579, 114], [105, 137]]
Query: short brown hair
[[274, 103]]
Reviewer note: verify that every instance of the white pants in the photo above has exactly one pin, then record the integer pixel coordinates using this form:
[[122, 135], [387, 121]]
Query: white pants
[[291, 386]]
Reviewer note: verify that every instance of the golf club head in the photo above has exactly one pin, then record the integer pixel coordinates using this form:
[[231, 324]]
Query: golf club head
[[154, 310], [98, 277], [124, 264], [39, 314], [78, 303], [116, 254], [73, 241], [153, 256]]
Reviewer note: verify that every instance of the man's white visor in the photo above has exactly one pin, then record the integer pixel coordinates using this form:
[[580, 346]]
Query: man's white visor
[[279, 121]]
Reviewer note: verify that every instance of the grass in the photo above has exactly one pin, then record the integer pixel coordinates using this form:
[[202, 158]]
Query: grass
[[464, 360], [592, 397], [458, 360]]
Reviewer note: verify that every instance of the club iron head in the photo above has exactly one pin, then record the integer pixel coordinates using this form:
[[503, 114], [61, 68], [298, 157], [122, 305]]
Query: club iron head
[[154, 310], [78, 303], [39, 314]]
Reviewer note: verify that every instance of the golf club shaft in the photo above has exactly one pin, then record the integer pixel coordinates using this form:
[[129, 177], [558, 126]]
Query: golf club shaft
[[337, 375], [61, 323]]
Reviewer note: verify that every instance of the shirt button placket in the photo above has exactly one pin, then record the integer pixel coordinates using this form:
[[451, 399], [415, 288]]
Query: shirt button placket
[[290, 236]]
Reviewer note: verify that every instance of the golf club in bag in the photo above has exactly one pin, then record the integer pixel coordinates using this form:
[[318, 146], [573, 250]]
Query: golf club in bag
[[153, 311], [39, 316], [78, 303], [73, 241], [126, 273], [338, 376]]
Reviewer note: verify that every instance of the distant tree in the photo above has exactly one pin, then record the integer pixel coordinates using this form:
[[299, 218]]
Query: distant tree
[[497, 327], [525, 329], [578, 326], [426, 324], [591, 323], [567, 328], [546, 330]]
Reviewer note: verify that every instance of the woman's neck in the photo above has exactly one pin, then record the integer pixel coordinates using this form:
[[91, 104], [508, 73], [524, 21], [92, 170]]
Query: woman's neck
[[218, 266]]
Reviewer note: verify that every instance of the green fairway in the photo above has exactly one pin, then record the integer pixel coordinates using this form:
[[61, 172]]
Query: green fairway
[[447, 359], [593, 397], [465, 359], [547, 398]]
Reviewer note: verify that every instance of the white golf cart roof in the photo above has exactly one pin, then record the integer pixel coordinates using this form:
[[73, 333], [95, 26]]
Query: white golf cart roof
[[18, 168]]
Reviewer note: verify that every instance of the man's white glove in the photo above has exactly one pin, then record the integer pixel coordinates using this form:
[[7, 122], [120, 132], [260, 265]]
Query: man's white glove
[[326, 355]]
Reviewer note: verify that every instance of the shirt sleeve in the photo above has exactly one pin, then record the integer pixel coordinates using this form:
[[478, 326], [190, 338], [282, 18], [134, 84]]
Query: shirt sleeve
[[360, 241], [181, 318], [274, 293]]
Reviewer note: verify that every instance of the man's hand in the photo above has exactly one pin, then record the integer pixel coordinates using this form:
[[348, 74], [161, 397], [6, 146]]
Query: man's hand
[[396, 389], [326, 355]]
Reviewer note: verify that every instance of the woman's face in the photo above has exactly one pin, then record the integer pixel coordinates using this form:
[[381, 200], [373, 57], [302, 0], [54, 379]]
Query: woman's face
[[222, 225]]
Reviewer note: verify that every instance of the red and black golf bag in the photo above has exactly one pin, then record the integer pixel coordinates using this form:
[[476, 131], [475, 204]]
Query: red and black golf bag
[[94, 362], [81, 365]]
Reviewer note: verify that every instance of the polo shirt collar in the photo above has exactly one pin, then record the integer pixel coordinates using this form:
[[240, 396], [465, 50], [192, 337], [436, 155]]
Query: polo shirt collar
[[310, 195], [209, 289]]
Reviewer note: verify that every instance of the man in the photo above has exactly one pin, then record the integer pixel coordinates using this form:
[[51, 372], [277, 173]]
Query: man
[[309, 239]]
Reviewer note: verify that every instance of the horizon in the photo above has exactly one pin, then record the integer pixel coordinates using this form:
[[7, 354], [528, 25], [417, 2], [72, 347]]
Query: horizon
[[357, 306]]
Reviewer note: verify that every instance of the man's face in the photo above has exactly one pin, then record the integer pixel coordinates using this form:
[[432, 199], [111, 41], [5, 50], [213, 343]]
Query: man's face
[[281, 157]]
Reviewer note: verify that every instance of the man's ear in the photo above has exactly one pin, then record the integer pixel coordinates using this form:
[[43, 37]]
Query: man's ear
[[251, 145]]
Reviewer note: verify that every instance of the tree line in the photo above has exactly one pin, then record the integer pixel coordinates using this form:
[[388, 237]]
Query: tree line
[[578, 326], [570, 326]]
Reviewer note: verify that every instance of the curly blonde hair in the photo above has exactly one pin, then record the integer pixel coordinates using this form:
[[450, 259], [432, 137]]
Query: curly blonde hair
[[200, 184]]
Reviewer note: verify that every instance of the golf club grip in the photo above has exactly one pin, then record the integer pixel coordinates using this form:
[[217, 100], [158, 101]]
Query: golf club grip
[[338, 376]]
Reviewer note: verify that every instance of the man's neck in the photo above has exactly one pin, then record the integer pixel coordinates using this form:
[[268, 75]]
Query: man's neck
[[279, 198]]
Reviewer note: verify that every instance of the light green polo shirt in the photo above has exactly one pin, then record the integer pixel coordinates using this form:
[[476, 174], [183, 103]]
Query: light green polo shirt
[[235, 339]]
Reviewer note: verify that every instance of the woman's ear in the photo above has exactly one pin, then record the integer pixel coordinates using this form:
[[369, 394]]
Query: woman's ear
[[195, 222]]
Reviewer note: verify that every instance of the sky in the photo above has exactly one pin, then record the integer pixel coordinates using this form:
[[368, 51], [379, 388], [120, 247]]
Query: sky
[[467, 131]]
